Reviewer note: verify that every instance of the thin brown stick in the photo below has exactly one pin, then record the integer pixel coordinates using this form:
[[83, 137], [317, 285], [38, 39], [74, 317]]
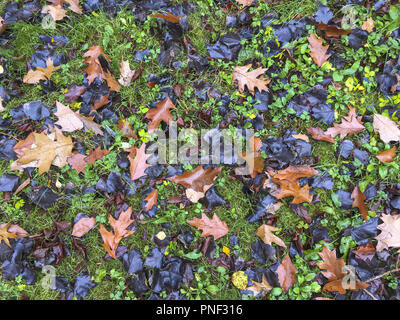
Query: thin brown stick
[[383, 274], [370, 294]]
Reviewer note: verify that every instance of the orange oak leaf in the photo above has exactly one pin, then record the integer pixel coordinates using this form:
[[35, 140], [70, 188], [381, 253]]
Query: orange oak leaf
[[210, 227], [333, 269], [264, 287], [34, 77], [112, 238], [11, 231], [359, 202], [160, 113], [138, 164], [83, 226], [350, 125], [251, 80], [151, 200], [318, 51], [293, 173], [286, 273]]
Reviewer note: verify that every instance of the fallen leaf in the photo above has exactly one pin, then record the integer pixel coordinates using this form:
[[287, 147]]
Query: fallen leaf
[[77, 162], [138, 164], [197, 181], [95, 155], [210, 227], [100, 102], [318, 51], [387, 128], [266, 235], [319, 134], [368, 25], [258, 287], [350, 125], [169, 17], [333, 269], [126, 73], [73, 5], [151, 200], [56, 11], [301, 136], [160, 113], [245, 3], [125, 127], [47, 151], [34, 77], [390, 232], [83, 226], [250, 79], [359, 202], [293, 173], [5, 235], [70, 121], [387, 155], [365, 252], [332, 31], [286, 273], [112, 238]]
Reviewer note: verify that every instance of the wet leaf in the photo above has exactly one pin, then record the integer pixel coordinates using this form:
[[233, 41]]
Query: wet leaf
[[387, 129], [210, 227], [161, 113], [319, 134], [368, 25], [151, 199], [387, 155], [390, 232], [286, 273], [138, 164], [318, 51], [83, 226], [350, 125], [251, 80], [266, 235], [359, 202]]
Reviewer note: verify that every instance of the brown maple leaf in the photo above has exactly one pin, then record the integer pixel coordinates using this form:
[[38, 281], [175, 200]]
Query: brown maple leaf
[[210, 227], [169, 17], [387, 155], [319, 134], [197, 182], [266, 235], [286, 273], [112, 238], [293, 173], [46, 151], [83, 226], [387, 128], [333, 269], [318, 51], [332, 31], [350, 125], [70, 121], [250, 79], [359, 202], [138, 164], [160, 113], [151, 200], [390, 232]]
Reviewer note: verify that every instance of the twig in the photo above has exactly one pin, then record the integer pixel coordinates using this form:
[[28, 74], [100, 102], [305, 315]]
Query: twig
[[370, 294], [383, 274]]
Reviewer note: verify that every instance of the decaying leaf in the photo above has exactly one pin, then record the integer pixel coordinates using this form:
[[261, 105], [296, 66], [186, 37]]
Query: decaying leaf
[[390, 232], [56, 11], [350, 125], [197, 181], [254, 161], [126, 73], [387, 128], [77, 162], [359, 202], [318, 51], [95, 155], [45, 151], [365, 252], [334, 270], [210, 227], [112, 238], [160, 113], [83, 226], [70, 121], [286, 273], [301, 136], [245, 3], [387, 155], [251, 80], [126, 128]]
